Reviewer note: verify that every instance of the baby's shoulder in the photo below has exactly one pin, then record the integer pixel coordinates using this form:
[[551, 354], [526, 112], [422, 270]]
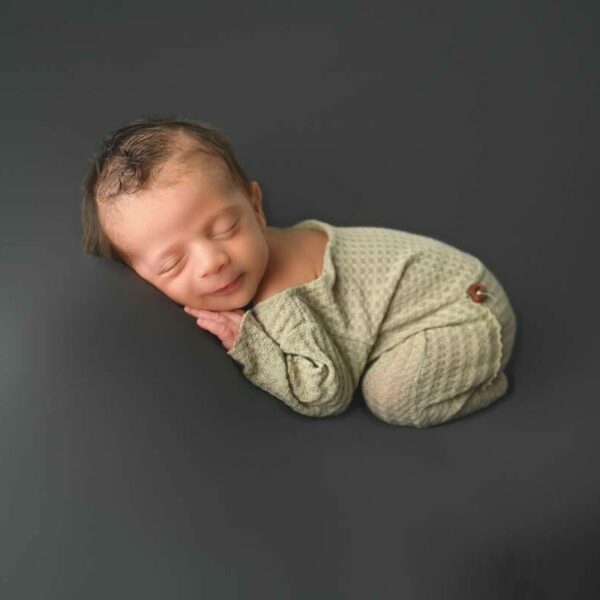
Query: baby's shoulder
[[315, 244]]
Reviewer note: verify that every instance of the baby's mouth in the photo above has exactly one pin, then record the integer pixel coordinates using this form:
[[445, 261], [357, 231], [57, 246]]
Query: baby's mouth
[[230, 287]]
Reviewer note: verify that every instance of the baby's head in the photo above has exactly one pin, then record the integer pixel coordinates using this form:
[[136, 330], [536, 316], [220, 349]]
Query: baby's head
[[168, 198]]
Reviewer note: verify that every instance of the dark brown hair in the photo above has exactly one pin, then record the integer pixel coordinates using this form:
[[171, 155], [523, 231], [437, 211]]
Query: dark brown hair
[[130, 156]]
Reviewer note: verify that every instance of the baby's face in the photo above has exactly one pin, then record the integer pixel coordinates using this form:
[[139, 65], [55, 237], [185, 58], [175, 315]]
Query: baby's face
[[189, 238]]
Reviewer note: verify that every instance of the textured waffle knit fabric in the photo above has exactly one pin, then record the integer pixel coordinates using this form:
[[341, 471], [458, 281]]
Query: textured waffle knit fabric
[[390, 307]]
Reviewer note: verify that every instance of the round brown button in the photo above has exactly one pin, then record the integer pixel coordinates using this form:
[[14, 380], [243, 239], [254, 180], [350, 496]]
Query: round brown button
[[477, 292]]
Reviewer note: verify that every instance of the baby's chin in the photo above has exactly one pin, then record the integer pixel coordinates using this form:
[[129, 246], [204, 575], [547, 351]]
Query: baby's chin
[[224, 305]]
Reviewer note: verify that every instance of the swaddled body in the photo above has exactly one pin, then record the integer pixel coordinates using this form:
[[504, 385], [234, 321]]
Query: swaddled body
[[427, 326]]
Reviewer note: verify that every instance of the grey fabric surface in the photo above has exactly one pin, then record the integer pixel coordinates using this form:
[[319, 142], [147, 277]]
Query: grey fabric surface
[[135, 459]]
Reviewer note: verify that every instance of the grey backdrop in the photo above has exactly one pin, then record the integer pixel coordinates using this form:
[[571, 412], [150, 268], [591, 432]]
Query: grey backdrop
[[136, 461]]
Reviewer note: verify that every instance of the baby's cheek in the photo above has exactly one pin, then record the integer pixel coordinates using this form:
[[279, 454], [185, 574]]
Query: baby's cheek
[[175, 293]]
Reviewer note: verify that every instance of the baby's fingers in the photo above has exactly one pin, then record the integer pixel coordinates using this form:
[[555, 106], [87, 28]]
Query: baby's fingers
[[220, 329], [209, 324]]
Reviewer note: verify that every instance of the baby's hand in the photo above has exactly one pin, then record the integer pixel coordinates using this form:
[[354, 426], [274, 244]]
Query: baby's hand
[[225, 324]]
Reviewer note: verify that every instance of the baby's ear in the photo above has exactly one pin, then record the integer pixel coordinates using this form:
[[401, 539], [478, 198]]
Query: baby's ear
[[256, 196], [256, 190]]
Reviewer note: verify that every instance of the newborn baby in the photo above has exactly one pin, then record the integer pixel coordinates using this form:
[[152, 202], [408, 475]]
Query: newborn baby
[[309, 311]]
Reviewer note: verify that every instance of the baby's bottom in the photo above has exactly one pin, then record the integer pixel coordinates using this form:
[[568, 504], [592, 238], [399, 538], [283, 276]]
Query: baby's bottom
[[442, 373]]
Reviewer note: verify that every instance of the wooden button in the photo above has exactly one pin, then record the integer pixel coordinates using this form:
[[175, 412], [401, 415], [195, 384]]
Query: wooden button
[[477, 292]]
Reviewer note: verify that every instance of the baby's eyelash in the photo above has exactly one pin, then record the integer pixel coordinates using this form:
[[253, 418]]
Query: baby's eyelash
[[171, 267], [228, 230]]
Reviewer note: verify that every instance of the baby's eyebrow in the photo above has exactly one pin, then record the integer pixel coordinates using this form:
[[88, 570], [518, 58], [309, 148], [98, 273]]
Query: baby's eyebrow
[[172, 247]]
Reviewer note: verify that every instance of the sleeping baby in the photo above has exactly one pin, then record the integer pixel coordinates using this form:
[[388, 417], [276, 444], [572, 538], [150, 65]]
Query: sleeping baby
[[309, 312]]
